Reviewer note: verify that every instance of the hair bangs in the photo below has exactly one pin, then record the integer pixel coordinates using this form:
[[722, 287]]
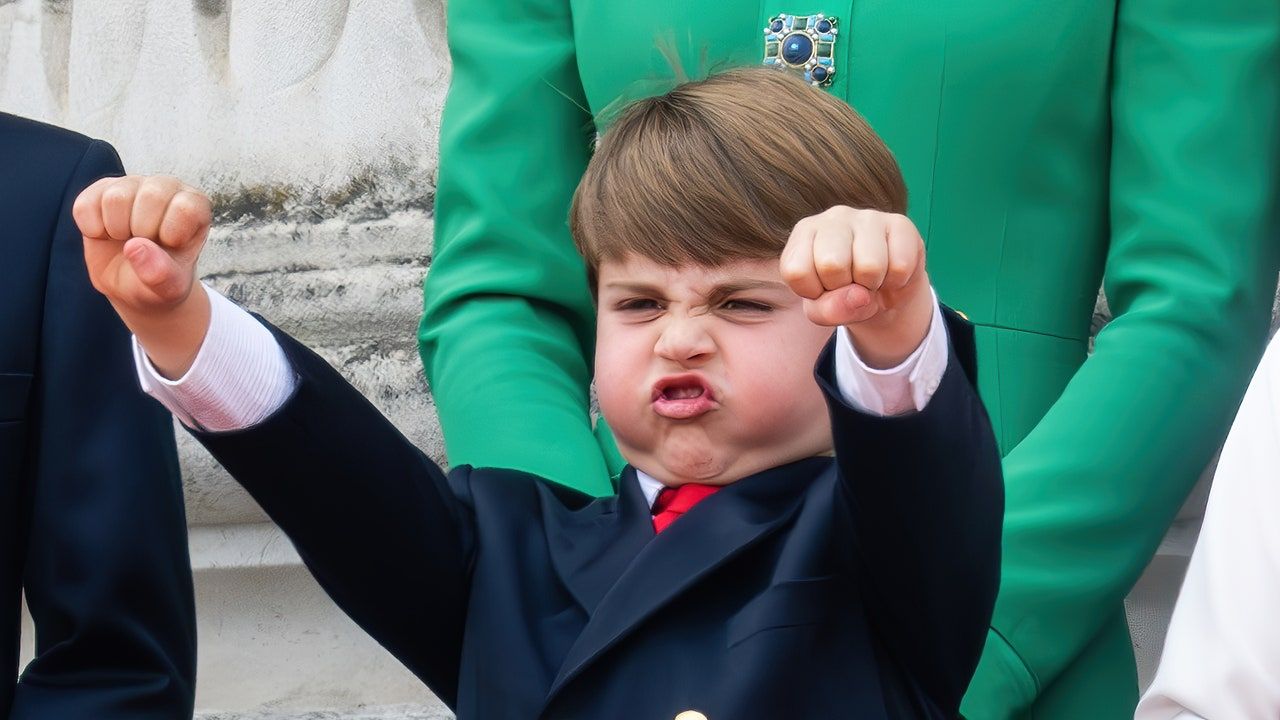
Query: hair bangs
[[717, 171]]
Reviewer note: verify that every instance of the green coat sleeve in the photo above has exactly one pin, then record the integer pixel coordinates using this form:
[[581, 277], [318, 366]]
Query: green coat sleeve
[[508, 321], [1189, 275]]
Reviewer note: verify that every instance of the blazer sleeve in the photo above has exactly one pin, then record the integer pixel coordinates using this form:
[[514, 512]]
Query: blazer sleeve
[[107, 578], [1190, 275], [1222, 654], [508, 319], [374, 519], [925, 496]]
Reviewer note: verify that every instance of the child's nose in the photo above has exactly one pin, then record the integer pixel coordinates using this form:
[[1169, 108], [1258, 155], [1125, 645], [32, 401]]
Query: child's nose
[[685, 341]]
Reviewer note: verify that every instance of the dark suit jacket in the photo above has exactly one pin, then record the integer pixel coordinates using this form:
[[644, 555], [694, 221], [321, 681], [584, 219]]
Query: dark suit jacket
[[91, 514], [857, 586]]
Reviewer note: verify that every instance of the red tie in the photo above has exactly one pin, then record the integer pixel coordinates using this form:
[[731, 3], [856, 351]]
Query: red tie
[[674, 502]]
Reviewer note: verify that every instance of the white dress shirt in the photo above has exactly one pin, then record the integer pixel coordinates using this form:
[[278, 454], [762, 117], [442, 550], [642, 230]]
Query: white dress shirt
[[1221, 658], [241, 376]]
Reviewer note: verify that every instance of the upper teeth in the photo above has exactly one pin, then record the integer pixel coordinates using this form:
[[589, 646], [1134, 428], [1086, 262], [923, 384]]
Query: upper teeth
[[682, 393]]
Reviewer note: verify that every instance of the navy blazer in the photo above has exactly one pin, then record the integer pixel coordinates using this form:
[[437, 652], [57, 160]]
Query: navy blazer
[[857, 586], [91, 512]]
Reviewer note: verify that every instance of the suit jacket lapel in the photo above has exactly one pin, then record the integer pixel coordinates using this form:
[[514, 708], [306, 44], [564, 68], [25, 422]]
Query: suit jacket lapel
[[592, 547], [713, 532]]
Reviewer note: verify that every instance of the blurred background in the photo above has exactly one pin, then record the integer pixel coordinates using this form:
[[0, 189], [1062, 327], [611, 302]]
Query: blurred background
[[313, 125]]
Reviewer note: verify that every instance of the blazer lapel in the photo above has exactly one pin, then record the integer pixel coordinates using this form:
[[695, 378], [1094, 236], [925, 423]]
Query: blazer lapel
[[713, 532], [592, 547]]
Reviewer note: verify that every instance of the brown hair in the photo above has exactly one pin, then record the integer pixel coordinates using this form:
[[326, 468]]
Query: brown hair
[[721, 169]]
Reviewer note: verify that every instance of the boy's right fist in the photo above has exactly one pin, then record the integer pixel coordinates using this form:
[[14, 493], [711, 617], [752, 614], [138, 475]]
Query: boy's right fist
[[863, 269], [142, 237]]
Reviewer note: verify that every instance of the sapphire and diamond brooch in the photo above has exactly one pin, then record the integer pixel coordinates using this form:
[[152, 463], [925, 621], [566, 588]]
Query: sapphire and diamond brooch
[[804, 44]]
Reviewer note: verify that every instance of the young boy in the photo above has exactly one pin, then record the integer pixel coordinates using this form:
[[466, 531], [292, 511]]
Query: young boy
[[835, 562]]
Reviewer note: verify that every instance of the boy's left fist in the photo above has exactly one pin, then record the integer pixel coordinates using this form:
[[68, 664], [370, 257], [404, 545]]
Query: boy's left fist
[[865, 270]]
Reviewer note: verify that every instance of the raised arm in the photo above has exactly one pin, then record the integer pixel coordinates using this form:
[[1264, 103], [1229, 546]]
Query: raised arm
[[923, 487], [925, 496], [374, 519], [508, 325], [1195, 186]]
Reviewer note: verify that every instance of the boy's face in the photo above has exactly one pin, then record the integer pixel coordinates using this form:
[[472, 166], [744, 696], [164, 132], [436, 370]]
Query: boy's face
[[706, 374]]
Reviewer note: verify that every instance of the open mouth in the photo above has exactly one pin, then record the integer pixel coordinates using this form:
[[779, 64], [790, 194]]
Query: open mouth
[[681, 397]]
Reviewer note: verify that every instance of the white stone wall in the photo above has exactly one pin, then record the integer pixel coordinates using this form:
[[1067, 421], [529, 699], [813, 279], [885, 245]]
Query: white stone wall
[[309, 93]]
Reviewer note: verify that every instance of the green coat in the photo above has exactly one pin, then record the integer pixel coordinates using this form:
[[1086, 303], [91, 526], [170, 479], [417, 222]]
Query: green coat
[[1042, 143]]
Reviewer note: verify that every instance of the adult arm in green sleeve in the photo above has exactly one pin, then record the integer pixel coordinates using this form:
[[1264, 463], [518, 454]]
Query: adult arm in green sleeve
[[508, 323], [1189, 275]]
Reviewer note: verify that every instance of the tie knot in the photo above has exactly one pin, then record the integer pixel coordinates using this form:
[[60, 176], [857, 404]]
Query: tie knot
[[671, 503]]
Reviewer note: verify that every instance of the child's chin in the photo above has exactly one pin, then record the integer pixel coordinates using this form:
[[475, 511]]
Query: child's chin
[[692, 462]]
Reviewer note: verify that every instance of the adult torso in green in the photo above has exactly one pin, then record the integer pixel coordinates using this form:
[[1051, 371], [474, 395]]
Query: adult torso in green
[[1041, 144]]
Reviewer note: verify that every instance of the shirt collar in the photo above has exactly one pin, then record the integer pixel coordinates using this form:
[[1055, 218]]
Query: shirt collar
[[649, 486]]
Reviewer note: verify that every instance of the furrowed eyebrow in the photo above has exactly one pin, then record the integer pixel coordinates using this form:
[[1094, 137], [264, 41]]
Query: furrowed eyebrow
[[718, 293], [740, 285], [724, 290], [636, 288]]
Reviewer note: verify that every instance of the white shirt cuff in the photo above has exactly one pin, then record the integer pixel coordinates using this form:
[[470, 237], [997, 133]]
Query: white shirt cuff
[[239, 378], [899, 390]]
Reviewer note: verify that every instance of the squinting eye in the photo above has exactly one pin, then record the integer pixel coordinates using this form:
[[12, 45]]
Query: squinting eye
[[746, 305], [638, 305]]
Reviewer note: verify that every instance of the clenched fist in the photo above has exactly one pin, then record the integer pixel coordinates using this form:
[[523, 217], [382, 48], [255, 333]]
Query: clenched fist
[[142, 238], [865, 270]]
